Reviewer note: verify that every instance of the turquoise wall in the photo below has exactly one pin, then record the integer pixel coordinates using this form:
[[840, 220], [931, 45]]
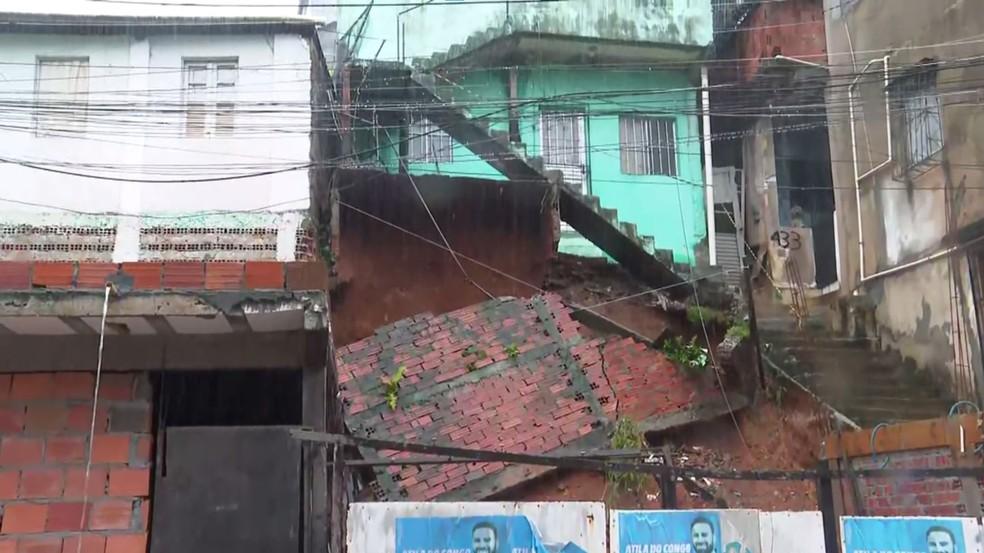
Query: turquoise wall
[[671, 209]]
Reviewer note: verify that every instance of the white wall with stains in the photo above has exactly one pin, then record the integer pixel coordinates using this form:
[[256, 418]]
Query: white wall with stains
[[130, 133]]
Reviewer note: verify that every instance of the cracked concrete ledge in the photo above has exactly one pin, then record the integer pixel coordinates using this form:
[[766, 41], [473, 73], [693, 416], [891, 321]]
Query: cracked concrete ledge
[[85, 303]]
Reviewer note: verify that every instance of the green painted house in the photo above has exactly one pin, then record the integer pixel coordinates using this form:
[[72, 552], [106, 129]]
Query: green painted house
[[604, 91]]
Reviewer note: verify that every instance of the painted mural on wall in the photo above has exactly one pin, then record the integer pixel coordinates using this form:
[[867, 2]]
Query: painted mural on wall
[[555, 527], [910, 535], [724, 531]]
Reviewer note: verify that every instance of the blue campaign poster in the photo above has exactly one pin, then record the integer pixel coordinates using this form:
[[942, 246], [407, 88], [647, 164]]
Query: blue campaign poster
[[903, 535], [475, 534], [670, 532]]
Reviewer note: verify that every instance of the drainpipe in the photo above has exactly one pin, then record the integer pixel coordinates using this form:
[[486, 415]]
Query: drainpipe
[[854, 157], [705, 107]]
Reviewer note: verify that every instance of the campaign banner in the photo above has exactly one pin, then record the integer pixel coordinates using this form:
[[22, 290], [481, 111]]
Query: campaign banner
[[712, 531], [556, 527], [910, 535]]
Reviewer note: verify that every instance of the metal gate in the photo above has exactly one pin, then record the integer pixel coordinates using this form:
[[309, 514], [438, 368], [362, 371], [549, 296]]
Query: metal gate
[[564, 147], [227, 489]]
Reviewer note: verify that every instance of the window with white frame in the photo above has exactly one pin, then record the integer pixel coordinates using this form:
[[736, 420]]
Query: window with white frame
[[427, 142], [919, 119], [647, 145], [209, 85], [61, 95]]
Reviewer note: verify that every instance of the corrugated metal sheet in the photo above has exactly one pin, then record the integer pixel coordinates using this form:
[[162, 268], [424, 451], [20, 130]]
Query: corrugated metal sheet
[[728, 257]]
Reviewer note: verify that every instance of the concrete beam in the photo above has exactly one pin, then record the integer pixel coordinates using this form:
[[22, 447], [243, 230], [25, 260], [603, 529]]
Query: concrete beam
[[89, 303], [268, 350]]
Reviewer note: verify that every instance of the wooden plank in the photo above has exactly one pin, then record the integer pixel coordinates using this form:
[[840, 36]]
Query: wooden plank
[[928, 434]]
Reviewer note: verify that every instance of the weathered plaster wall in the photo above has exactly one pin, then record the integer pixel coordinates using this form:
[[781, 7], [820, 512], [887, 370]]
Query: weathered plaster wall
[[435, 27], [761, 216], [794, 29], [905, 219], [385, 274], [912, 310]]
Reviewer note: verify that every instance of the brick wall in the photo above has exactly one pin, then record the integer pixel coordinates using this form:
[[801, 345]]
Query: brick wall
[[44, 427], [911, 496], [794, 29]]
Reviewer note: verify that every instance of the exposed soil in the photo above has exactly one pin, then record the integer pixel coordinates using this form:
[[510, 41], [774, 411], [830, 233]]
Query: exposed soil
[[588, 282], [778, 438]]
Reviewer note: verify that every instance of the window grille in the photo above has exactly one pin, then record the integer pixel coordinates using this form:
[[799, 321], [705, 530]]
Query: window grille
[[648, 145]]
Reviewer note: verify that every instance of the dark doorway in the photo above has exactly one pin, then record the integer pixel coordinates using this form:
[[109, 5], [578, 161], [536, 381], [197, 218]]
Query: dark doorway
[[805, 186], [231, 398], [229, 476]]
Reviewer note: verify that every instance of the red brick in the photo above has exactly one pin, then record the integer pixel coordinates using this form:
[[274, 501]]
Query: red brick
[[5, 382], [73, 385], [129, 482], [65, 517], [65, 449], [41, 483], [224, 276], [53, 275], [11, 420], [8, 546], [91, 543], [94, 275], [8, 484], [126, 543], [110, 514], [184, 274], [15, 275], [32, 386], [40, 545], [24, 518], [264, 275], [80, 418], [74, 477], [17, 451], [45, 418], [146, 276], [116, 387], [307, 275], [111, 448]]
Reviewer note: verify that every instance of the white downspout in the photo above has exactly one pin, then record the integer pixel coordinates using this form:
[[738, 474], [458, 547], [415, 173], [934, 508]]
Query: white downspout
[[705, 106], [854, 152]]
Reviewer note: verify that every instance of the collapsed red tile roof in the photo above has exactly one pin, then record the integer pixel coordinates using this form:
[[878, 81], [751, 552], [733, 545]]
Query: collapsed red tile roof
[[509, 375]]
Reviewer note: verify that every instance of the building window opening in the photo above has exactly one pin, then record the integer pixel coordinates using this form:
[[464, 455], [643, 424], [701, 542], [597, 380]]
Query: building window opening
[[209, 94], [61, 95], [648, 145], [919, 120], [428, 143]]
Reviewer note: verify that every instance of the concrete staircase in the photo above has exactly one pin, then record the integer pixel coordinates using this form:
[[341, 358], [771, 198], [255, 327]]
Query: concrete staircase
[[853, 376], [600, 225]]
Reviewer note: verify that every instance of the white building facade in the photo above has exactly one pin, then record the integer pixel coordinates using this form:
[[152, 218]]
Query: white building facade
[[141, 139]]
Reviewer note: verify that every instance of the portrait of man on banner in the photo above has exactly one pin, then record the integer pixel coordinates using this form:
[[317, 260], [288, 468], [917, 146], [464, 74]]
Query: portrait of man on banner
[[475, 534], [903, 535]]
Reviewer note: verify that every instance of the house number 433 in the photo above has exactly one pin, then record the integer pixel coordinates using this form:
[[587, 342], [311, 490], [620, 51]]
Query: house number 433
[[788, 239]]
